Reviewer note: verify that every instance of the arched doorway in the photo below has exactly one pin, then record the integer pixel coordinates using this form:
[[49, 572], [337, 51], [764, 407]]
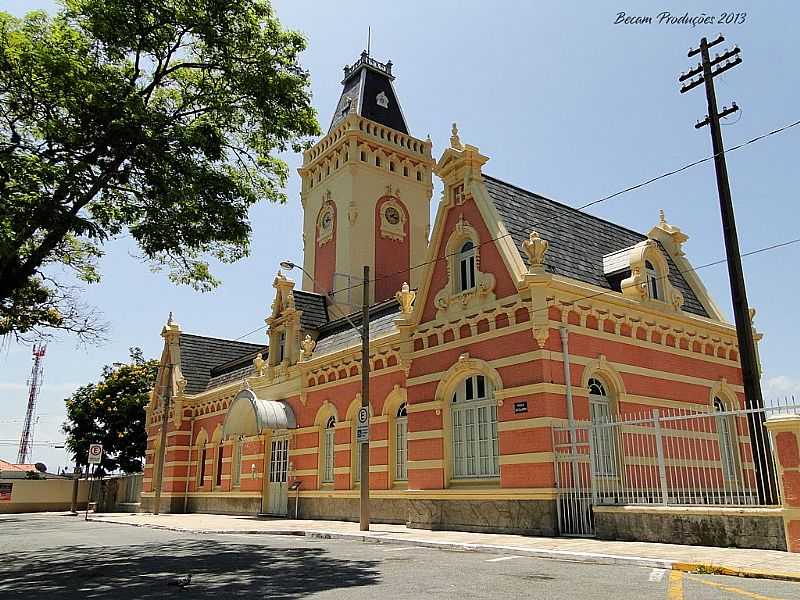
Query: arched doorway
[[250, 415]]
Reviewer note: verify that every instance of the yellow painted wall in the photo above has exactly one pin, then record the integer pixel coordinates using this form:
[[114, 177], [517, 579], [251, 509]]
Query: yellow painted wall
[[43, 495]]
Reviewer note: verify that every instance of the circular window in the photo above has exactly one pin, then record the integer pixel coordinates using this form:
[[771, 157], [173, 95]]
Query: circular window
[[392, 215]]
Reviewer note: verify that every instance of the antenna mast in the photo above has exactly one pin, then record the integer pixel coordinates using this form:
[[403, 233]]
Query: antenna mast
[[34, 384]]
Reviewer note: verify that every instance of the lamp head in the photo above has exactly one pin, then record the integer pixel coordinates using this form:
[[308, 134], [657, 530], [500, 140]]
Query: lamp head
[[287, 264]]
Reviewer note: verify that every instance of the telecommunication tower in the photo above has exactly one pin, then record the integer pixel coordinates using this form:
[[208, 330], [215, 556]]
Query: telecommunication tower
[[34, 384]]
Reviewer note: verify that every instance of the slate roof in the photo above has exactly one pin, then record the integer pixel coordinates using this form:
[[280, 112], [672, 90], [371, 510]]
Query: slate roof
[[340, 334], [578, 241], [314, 307], [200, 354]]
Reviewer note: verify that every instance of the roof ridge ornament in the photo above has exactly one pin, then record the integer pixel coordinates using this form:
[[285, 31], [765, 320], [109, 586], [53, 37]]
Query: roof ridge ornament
[[535, 247], [405, 297], [455, 141]]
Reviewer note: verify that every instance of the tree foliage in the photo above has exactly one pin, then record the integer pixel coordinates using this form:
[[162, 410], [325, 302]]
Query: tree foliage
[[112, 412], [159, 119]]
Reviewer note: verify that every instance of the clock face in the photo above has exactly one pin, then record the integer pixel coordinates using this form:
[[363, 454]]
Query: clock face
[[392, 215], [327, 221]]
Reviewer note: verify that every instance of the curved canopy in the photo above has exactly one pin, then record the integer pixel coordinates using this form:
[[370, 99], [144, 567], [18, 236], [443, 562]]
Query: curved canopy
[[249, 415]]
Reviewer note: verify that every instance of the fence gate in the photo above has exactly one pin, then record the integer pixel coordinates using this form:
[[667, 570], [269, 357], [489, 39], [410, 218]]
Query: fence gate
[[573, 482]]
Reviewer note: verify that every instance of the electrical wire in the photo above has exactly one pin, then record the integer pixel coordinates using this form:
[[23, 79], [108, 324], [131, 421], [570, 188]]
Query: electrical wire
[[588, 204], [580, 208]]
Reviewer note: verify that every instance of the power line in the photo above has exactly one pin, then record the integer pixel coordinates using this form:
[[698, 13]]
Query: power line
[[588, 204], [579, 208], [683, 272]]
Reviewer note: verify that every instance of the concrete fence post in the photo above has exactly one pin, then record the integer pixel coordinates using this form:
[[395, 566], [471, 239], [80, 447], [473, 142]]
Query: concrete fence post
[[785, 432]]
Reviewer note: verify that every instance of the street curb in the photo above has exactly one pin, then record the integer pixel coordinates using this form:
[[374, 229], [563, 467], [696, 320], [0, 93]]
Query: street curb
[[709, 569], [562, 555]]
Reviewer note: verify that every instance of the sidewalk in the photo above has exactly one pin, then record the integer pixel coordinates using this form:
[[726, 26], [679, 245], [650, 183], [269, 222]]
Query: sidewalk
[[767, 564]]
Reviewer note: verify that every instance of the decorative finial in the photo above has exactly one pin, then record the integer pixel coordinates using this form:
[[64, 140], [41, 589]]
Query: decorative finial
[[535, 247], [258, 364], [661, 218], [307, 347], [455, 142], [169, 319], [405, 297]]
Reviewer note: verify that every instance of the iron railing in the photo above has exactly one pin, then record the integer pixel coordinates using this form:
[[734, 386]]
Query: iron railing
[[667, 457]]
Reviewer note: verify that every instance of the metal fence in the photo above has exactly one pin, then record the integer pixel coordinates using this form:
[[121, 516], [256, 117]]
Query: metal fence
[[666, 457]]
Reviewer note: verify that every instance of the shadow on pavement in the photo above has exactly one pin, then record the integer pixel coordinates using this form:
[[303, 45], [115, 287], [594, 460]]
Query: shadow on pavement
[[152, 571]]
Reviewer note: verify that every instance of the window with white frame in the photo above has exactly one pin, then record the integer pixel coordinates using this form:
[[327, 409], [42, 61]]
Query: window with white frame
[[328, 450], [466, 267], [603, 445], [474, 422], [653, 285], [725, 432], [401, 444], [236, 467]]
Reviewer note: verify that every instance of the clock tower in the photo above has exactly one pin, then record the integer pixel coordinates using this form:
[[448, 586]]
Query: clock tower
[[366, 191]]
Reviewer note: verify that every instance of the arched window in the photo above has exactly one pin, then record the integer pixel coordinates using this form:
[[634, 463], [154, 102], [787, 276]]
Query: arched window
[[401, 444], [218, 477], [236, 466], [356, 456], [327, 450], [653, 285], [201, 462], [603, 444], [474, 422], [466, 267], [725, 432], [201, 478]]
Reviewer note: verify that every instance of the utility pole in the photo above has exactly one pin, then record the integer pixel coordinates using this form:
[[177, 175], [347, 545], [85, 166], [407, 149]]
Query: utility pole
[[162, 447], [704, 72], [364, 498]]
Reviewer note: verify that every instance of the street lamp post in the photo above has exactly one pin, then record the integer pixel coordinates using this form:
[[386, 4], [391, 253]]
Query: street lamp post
[[364, 334]]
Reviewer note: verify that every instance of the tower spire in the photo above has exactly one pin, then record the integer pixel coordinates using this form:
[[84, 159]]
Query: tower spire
[[368, 92]]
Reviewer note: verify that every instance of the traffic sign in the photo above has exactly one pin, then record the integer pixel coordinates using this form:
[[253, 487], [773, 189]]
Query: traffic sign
[[95, 454], [362, 425]]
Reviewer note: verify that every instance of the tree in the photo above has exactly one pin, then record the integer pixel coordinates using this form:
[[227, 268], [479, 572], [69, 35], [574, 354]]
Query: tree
[[112, 412], [159, 119]]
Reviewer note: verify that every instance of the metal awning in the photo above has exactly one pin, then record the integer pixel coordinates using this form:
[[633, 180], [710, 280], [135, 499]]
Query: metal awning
[[250, 415]]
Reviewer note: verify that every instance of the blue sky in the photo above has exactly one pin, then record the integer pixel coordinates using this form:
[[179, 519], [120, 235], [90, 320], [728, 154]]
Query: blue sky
[[564, 103]]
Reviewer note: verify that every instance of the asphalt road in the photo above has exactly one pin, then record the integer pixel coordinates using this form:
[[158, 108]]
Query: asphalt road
[[55, 557]]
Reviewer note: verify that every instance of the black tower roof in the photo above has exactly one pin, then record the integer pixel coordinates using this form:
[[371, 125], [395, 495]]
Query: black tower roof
[[368, 92]]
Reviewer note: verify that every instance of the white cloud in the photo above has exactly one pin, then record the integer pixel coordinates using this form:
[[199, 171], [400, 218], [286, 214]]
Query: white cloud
[[781, 386]]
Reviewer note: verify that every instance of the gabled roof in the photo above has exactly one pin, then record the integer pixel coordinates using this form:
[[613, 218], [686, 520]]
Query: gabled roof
[[339, 334], [24, 468], [200, 354], [578, 241], [368, 92]]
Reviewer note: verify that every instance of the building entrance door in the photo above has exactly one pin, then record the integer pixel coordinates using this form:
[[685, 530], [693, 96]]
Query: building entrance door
[[277, 493]]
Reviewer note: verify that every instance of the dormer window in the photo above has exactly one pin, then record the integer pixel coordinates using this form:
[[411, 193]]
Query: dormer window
[[466, 267], [281, 346], [653, 285]]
